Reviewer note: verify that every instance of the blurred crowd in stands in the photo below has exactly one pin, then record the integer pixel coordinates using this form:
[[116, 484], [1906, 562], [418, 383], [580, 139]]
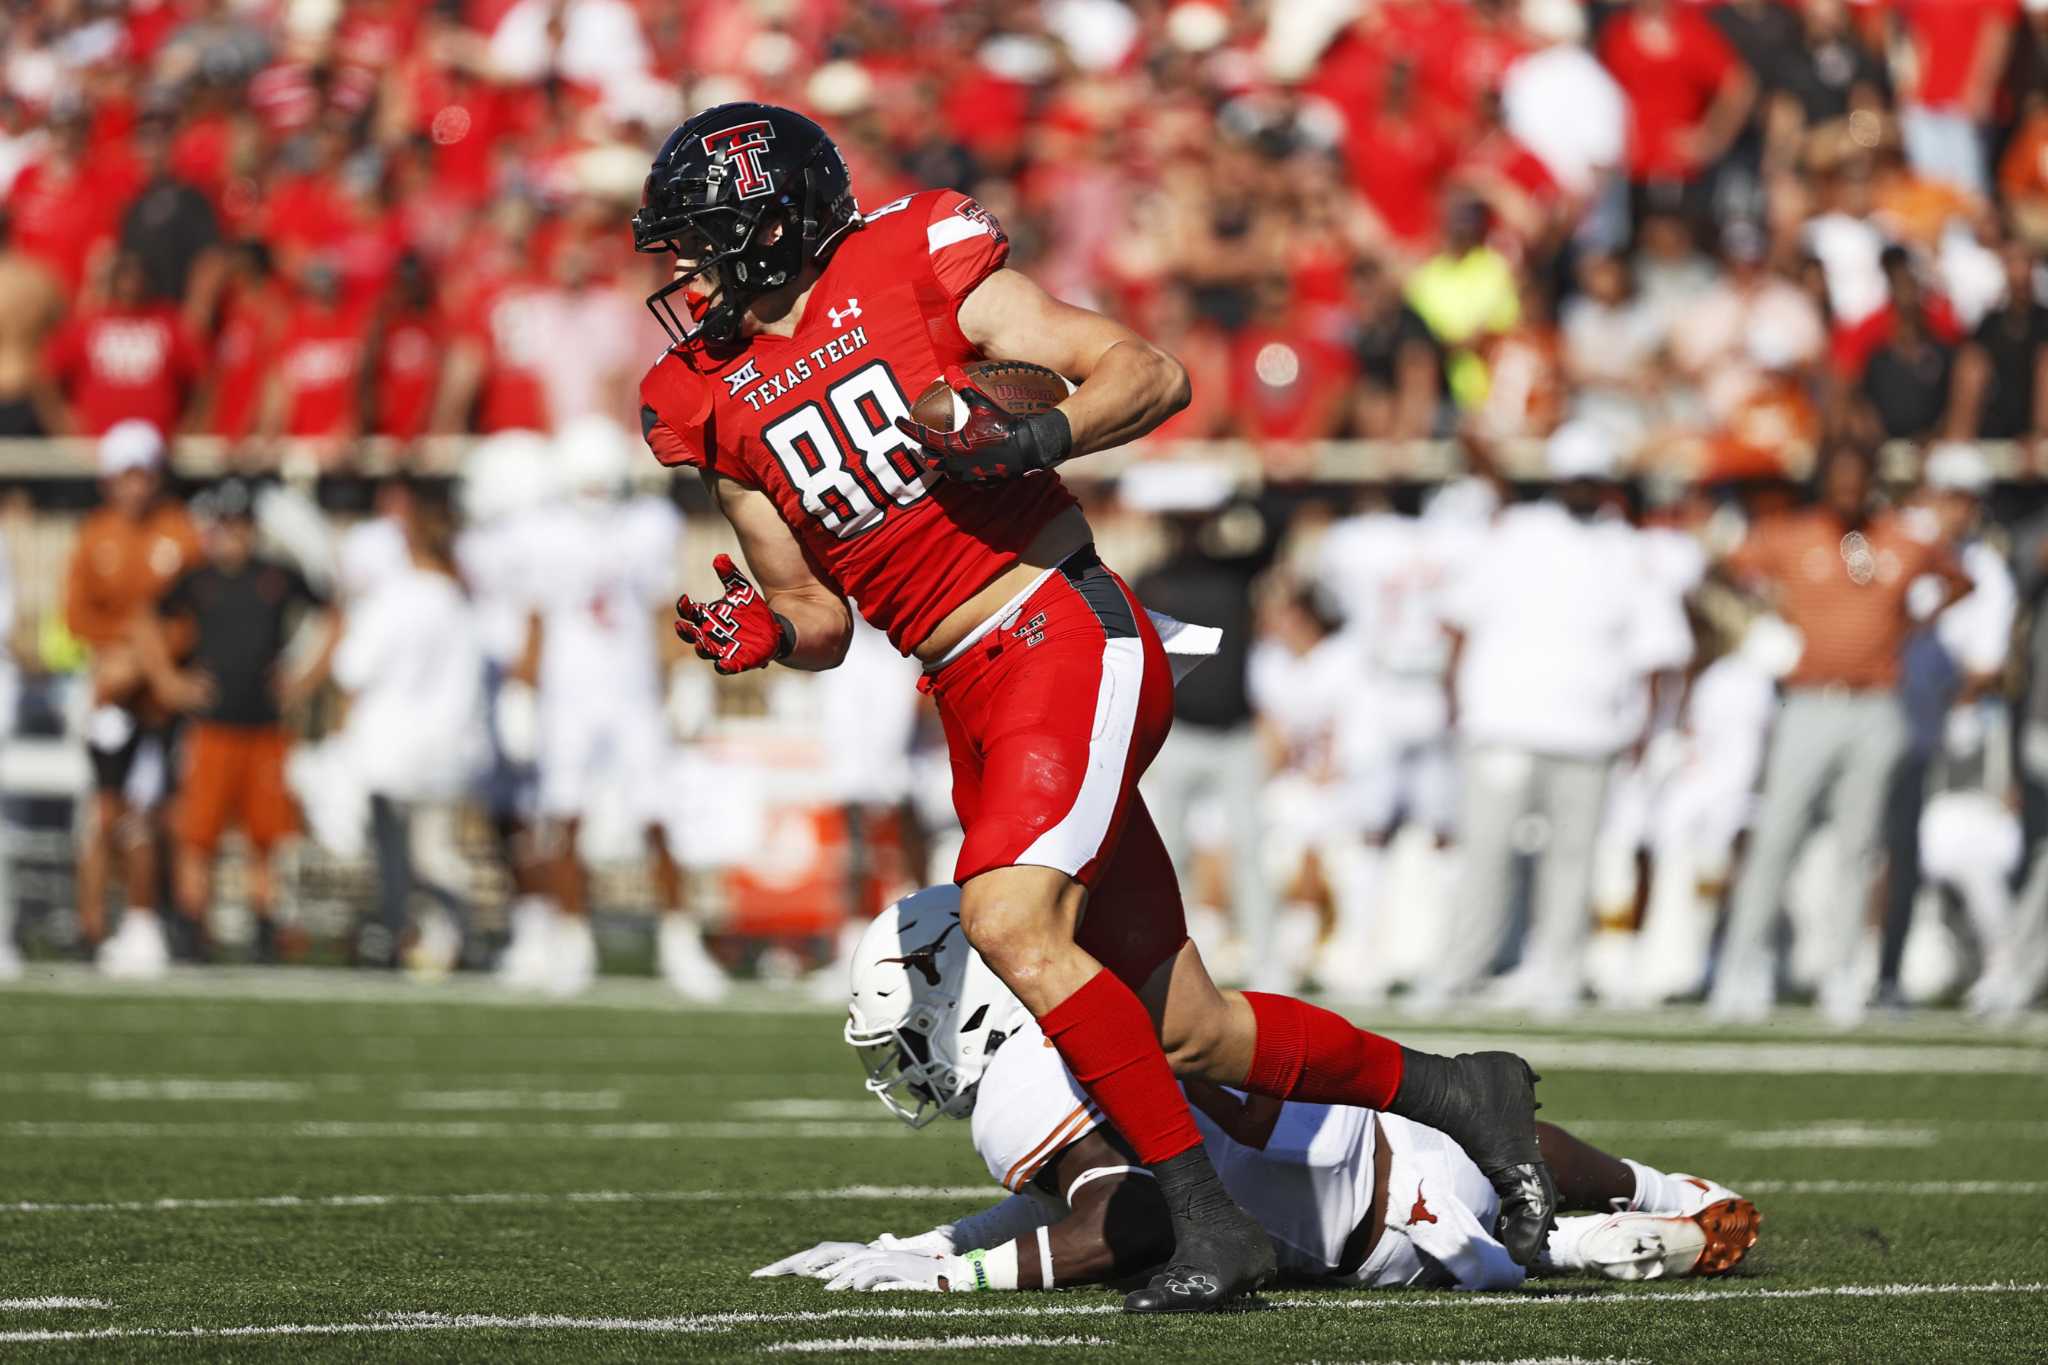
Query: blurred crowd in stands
[[1550, 729]]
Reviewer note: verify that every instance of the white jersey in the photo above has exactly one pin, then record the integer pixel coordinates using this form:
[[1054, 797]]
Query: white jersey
[[414, 728], [1305, 697], [1307, 1178], [489, 557], [1386, 573], [594, 573]]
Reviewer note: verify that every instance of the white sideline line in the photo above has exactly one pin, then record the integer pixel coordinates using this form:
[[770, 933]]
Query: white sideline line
[[1943, 1188], [855, 1194], [851, 1193], [1745, 1058], [1740, 1133], [700, 1323], [462, 1130], [49, 1301], [115, 1089], [920, 1344], [550, 1101], [1818, 1133]]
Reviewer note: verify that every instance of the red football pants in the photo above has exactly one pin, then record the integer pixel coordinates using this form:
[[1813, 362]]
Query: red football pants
[[1050, 718]]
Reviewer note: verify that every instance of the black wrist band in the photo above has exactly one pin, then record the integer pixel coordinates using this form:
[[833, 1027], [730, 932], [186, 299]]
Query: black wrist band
[[785, 644], [1051, 435]]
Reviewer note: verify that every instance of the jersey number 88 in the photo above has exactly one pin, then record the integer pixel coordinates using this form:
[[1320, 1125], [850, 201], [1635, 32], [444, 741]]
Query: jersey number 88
[[850, 490]]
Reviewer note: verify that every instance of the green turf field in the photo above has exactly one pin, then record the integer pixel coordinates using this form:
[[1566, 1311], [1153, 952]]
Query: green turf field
[[240, 1166]]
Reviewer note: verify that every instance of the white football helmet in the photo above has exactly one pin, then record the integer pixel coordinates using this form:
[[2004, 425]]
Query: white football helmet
[[505, 474], [594, 457], [927, 1013]]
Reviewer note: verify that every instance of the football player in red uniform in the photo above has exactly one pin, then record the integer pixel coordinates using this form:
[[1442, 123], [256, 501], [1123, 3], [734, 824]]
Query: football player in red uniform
[[804, 327]]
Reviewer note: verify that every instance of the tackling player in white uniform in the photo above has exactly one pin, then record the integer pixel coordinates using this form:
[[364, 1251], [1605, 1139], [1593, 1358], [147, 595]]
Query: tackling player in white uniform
[[1349, 1197], [596, 565]]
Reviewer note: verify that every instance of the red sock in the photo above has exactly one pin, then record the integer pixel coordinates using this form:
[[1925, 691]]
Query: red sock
[[1309, 1054], [1105, 1037]]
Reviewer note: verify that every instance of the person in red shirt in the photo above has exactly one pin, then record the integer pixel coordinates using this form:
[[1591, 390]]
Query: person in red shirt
[[1688, 92], [1398, 159], [500, 356], [1959, 51], [408, 342], [132, 358], [315, 388], [1288, 384], [65, 208], [245, 341]]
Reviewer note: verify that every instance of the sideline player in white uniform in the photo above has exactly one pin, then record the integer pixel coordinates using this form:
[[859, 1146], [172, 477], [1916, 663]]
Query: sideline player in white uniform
[[1349, 1196], [597, 564], [1387, 573]]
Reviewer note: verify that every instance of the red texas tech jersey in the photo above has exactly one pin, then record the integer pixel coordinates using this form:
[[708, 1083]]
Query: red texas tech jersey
[[810, 419]]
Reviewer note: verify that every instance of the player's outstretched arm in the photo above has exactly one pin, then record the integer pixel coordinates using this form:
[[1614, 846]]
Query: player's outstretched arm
[[1128, 386], [1115, 1227], [805, 624]]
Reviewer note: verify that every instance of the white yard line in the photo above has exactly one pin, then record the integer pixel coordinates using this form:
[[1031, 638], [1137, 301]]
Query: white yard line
[[214, 985], [459, 1130], [1746, 1058], [848, 1193], [872, 1345], [49, 1302], [547, 1101], [195, 1089], [1817, 1133], [853, 1194], [1813, 1132], [1931, 1188], [996, 1306]]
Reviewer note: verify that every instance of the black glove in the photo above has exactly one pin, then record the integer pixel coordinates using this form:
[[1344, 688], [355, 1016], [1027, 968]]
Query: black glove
[[991, 444]]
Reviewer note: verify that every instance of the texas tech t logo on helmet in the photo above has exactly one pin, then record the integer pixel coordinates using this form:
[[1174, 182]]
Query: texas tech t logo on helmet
[[740, 148]]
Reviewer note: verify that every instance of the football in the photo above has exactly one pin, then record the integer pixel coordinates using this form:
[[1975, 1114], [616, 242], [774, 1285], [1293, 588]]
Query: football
[[1015, 385]]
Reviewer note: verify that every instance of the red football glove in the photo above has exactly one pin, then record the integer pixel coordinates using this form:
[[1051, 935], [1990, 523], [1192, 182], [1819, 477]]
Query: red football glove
[[991, 444], [737, 632]]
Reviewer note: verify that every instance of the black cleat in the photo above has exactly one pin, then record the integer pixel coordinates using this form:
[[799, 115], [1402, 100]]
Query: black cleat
[[1486, 1103], [1212, 1268], [1219, 1254]]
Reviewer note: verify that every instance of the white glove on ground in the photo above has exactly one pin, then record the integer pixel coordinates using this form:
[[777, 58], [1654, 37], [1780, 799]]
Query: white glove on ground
[[817, 1263], [874, 1270]]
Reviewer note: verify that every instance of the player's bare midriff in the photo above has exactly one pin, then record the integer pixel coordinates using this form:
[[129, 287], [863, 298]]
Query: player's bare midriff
[[1059, 538]]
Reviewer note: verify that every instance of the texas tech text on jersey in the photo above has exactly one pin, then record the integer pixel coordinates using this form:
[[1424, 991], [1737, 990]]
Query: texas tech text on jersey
[[810, 419]]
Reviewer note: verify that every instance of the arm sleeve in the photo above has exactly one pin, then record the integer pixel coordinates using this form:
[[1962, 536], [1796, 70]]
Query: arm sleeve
[[965, 243], [1018, 1216]]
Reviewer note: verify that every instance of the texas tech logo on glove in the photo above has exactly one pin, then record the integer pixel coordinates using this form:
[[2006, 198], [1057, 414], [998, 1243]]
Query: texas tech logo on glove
[[738, 631]]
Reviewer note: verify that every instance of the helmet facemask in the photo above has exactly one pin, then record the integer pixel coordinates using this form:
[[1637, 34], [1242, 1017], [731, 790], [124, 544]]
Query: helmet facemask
[[748, 249], [708, 202], [902, 1074]]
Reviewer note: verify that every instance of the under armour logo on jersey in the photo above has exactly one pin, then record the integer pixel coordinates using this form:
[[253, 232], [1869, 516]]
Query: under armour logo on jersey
[[1420, 1213], [926, 959], [840, 316], [749, 373], [741, 145]]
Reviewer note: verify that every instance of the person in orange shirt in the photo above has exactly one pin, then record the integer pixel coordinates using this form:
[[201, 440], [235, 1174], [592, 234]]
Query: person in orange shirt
[[1837, 572], [127, 553]]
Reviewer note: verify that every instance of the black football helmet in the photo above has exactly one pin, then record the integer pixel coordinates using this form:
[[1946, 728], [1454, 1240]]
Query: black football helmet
[[716, 186]]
